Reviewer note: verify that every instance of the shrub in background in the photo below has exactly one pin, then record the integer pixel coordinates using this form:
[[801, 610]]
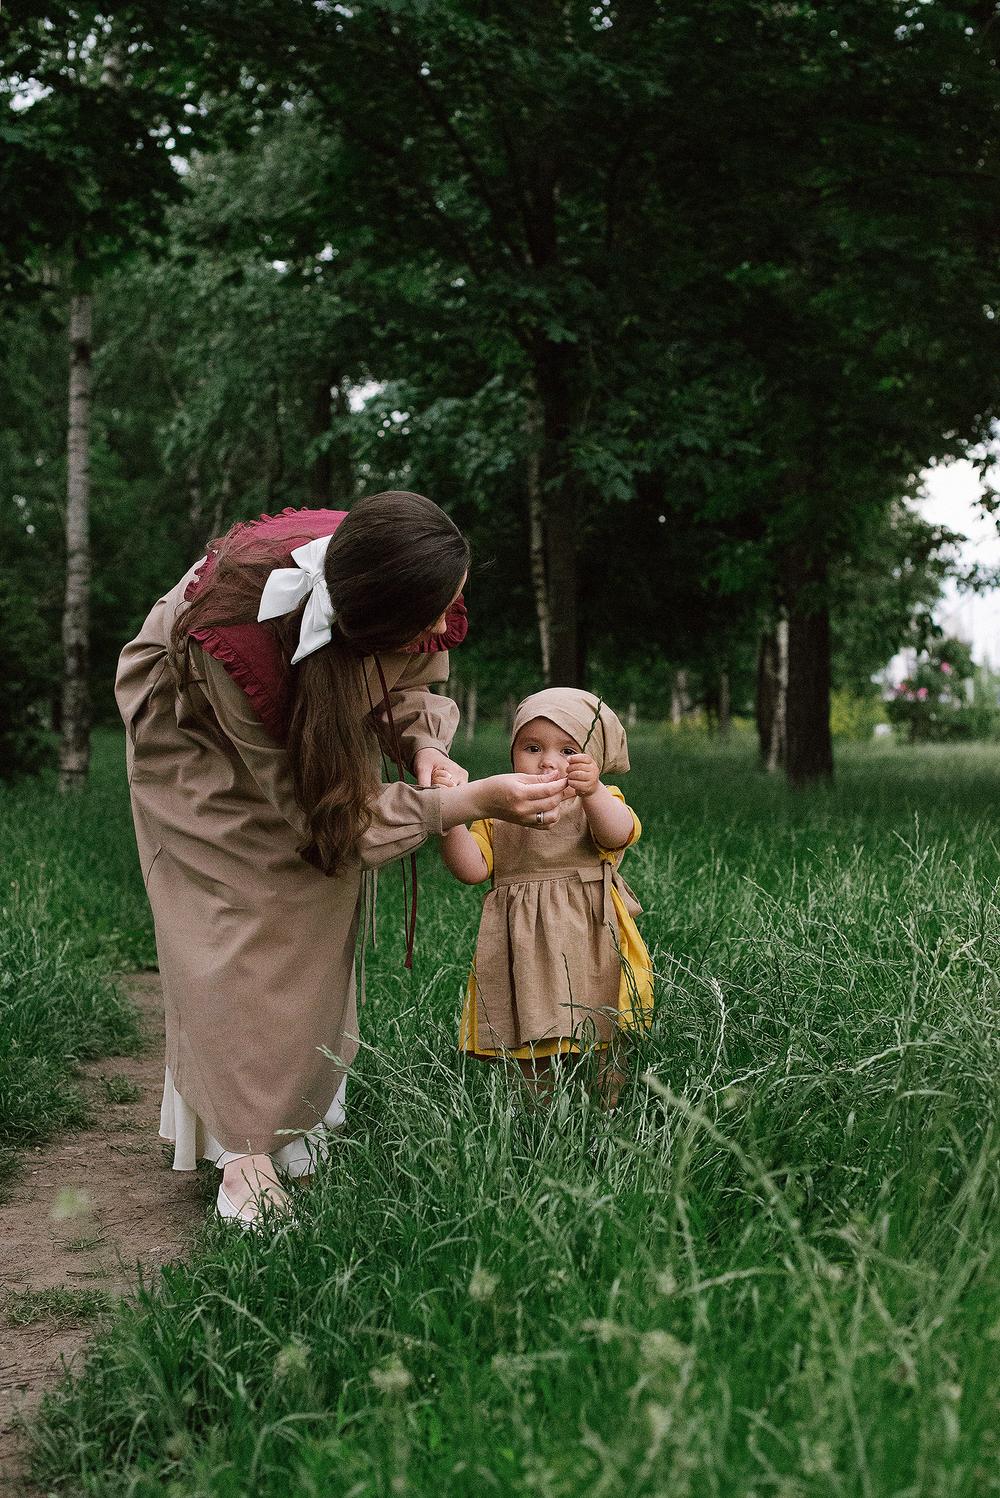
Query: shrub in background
[[943, 700], [853, 715]]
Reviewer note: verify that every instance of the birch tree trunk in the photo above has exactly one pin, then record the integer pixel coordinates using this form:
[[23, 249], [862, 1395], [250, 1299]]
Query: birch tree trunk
[[471, 709], [74, 749], [779, 730], [678, 696], [767, 687]]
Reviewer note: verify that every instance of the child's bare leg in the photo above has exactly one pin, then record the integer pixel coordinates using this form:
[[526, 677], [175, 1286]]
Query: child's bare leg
[[537, 1075], [610, 1076]]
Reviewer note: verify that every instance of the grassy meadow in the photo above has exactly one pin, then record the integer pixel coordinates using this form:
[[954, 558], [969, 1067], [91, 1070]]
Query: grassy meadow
[[72, 911], [775, 1271]]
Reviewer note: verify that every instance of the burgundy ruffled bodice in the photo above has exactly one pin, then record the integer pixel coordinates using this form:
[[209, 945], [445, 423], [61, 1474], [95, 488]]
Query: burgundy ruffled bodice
[[250, 653]]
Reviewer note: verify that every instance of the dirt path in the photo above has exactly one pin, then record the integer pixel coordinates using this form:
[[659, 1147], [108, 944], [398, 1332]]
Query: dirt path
[[86, 1210]]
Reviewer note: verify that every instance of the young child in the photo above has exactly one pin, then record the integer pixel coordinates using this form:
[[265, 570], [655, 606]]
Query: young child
[[560, 966]]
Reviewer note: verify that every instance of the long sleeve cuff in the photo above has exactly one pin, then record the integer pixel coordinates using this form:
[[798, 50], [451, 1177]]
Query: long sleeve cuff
[[404, 817], [423, 721], [412, 743]]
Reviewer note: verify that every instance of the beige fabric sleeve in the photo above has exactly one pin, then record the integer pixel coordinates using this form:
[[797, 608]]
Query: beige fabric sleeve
[[423, 720], [403, 815]]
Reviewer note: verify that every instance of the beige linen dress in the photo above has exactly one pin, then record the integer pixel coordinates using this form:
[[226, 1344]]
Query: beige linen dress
[[256, 947], [559, 961]]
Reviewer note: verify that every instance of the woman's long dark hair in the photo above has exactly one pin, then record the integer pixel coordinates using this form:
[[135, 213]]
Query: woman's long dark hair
[[392, 568]]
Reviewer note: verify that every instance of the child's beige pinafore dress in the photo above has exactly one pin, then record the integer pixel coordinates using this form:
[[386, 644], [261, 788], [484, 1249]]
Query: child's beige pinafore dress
[[559, 963]]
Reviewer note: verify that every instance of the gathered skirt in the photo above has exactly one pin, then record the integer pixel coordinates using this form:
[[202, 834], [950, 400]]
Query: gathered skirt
[[632, 1002]]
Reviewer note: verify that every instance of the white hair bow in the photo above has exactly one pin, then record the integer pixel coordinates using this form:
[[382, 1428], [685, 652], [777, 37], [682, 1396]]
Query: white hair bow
[[287, 586]]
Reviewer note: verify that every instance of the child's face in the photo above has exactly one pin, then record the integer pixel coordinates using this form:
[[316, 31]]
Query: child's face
[[541, 746]]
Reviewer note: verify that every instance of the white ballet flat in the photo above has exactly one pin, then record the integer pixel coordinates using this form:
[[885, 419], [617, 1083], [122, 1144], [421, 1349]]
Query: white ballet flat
[[248, 1217]]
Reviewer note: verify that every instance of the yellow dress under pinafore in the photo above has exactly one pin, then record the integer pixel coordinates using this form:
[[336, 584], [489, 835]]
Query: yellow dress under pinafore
[[559, 964]]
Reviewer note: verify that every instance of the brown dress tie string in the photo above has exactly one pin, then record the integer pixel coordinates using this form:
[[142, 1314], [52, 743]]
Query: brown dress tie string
[[409, 902]]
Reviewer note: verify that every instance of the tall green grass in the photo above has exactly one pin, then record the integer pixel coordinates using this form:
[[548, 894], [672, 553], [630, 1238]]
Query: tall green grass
[[774, 1271], [72, 910]]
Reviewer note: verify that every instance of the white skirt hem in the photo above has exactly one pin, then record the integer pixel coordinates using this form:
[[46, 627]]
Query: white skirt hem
[[182, 1127]]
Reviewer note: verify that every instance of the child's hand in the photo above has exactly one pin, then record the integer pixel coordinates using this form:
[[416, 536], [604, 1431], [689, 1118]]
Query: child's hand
[[441, 775], [582, 774]]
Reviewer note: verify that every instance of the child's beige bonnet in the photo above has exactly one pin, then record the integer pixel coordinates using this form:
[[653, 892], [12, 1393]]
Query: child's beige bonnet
[[573, 711]]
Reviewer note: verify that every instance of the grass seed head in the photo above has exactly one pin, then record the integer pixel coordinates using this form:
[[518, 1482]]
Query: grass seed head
[[70, 1202], [392, 1379], [482, 1285], [661, 1349]]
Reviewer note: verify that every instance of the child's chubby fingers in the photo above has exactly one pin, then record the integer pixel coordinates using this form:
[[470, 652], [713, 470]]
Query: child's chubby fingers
[[579, 762], [441, 775], [554, 777], [582, 773]]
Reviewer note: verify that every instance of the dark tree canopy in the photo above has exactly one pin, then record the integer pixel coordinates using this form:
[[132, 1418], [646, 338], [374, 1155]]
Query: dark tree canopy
[[666, 303]]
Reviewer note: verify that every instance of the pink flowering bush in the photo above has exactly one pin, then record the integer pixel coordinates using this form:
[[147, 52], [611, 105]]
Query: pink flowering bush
[[936, 703]]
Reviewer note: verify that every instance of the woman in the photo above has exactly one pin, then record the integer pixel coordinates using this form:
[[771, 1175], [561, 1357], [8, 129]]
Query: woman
[[254, 697]]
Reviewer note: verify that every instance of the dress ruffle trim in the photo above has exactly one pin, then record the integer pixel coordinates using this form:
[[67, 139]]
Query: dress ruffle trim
[[457, 622], [272, 712]]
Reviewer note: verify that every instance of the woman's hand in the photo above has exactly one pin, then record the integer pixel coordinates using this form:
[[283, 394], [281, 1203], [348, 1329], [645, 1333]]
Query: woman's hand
[[427, 762], [526, 798], [509, 798]]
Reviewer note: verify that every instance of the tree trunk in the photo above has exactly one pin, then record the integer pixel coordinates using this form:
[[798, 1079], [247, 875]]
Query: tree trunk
[[471, 709], [779, 708], [809, 747], [767, 677], [772, 691], [536, 535], [678, 696], [777, 737], [74, 749], [562, 511], [725, 710]]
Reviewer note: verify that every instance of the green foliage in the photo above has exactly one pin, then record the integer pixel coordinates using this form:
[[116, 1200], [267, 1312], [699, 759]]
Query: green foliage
[[773, 1270], [591, 252], [29, 670], [882, 596], [55, 1307], [92, 109], [121, 1090], [72, 910], [855, 715]]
